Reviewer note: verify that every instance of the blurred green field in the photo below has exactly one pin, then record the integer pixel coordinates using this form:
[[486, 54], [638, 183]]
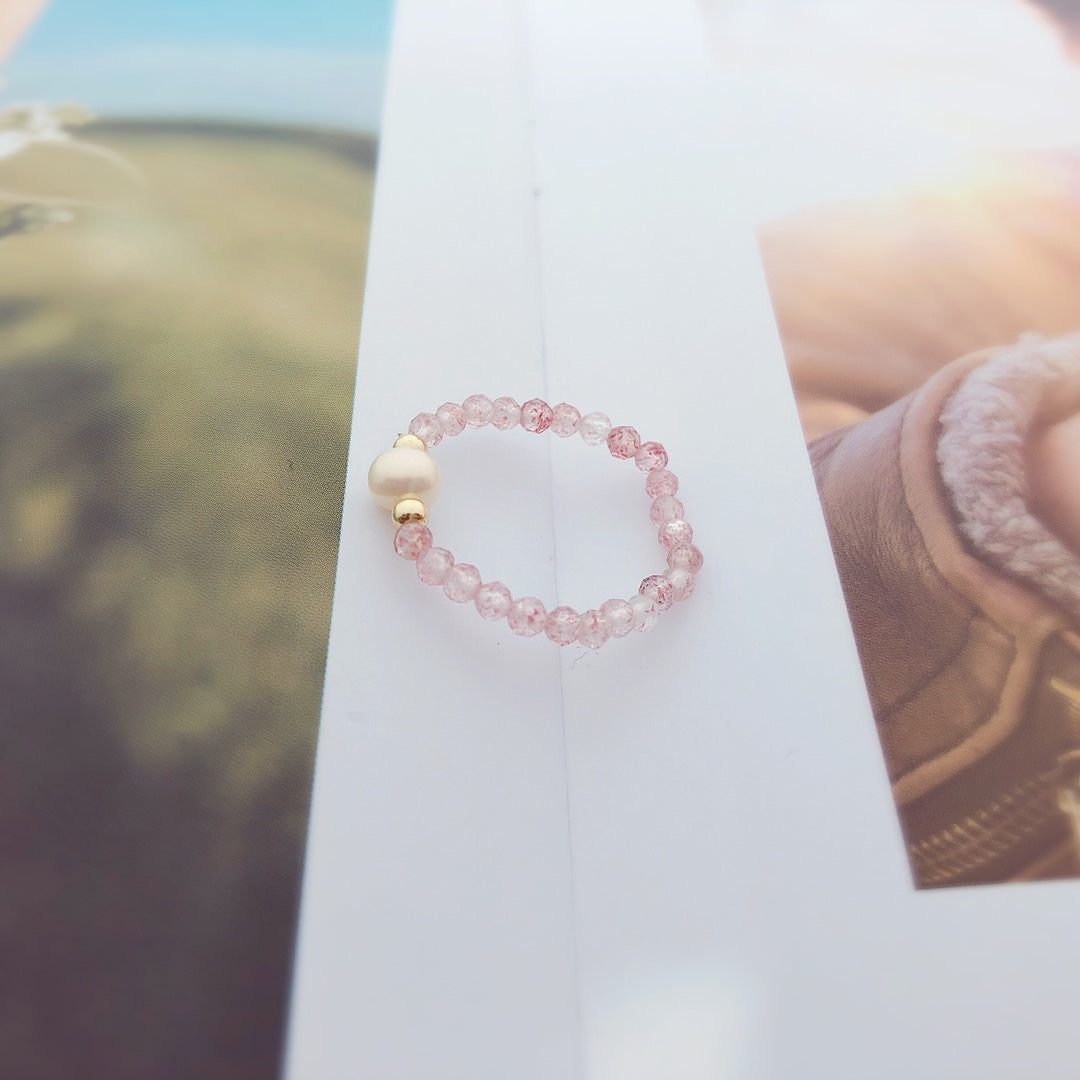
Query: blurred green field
[[176, 375]]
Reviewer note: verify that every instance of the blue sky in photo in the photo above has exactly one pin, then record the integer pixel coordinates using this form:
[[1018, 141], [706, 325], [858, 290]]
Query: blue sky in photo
[[319, 62]]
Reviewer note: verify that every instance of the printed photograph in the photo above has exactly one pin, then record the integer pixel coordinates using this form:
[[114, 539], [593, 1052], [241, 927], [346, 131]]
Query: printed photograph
[[185, 195], [924, 270]]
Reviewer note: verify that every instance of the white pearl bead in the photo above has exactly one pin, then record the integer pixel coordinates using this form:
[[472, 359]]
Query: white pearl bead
[[404, 471]]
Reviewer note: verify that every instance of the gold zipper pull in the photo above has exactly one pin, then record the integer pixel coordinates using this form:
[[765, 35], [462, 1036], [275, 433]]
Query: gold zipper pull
[[1068, 792], [1070, 692]]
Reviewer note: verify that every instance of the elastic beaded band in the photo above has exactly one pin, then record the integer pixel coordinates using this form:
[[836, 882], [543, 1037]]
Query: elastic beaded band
[[406, 480]]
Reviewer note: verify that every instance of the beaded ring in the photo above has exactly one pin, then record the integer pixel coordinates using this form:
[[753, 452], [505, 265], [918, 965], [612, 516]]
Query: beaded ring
[[406, 480]]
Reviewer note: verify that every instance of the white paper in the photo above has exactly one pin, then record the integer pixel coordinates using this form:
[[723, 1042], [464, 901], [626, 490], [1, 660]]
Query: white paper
[[677, 857]]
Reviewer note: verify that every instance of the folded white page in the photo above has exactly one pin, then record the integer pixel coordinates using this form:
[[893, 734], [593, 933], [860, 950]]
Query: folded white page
[[677, 857]]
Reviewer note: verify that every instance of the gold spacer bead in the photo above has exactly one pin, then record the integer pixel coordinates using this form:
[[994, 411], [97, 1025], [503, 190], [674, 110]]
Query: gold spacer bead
[[409, 509], [408, 439]]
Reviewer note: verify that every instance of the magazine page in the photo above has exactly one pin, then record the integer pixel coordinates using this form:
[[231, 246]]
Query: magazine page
[[185, 192], [927, 300], [680, 854]]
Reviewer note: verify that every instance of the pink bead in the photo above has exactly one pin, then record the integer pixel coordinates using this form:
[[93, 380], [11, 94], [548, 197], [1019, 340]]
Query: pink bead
[[592, 629], [426, 427], [505, 413], [433, 566], [620, 617], [682, 581], [675, 532], [660, 483], [594, 428], [650, 457], [645, 611], [564, 420], [623, 442], [493, 601], [562, 625], [451, 419], [412, 539], [527, 616], [461, 582], [685, 557], [660, 589], [536, 415], [665, 508], [477, 410]]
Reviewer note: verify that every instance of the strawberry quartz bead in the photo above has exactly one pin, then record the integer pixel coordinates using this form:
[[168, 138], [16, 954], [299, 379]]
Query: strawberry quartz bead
[[461, 582], [505, 413], [561, 625], [594, 428], [660, 483], [623, 442], [412, 540], [433, 566], [592, 629], [477, 410], [564, 420], [675, 532], [645, 611], [685, 557], [536, 416], [527, 616], [451, 419], [492, 601], [665, 508], [620, 617], [425, 426], [659, 588], [650, 457], [682, 582]]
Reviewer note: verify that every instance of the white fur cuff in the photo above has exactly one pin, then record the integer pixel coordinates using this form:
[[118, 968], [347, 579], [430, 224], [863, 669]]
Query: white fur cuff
[[981, 456]]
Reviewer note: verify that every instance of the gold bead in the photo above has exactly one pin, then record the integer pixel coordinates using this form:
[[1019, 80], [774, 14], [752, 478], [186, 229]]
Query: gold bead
[[413, 441], [409, 510]]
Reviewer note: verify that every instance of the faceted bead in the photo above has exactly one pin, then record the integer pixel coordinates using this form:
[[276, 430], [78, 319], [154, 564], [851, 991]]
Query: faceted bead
[[562, 625], [433, 565], [564, 420], [451, 419], [536, 415], [650, 457], [659, 588], [427, 428], [527, 616], [682, 581], [675, 532], [660, 483], [645, 611], [620, 617], [477, 410], [623, 442], [685, 557], [594, 428], [505, 413], [593, 629], [492, 601], [412, 540], [461, 582], [665, 508]]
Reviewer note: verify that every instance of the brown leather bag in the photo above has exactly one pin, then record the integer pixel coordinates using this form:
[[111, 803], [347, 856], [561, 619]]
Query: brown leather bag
[[974, 678]]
